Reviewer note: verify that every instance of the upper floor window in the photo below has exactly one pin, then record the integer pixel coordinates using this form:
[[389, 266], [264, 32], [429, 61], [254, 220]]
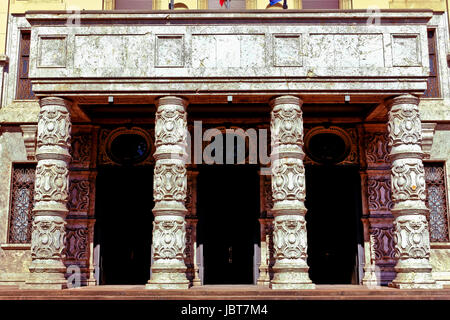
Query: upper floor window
[[232, 4], [320, 4], [24, 90], [433, 78], [134, 4]]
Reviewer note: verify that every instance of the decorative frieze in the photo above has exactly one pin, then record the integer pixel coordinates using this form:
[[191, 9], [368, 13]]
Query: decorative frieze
[[169, 191], [78, 249], [77, 243], [81, 149], [377, 152], [288, 191], [383, 242], [79, 195], [379, 194], [378, 223], [412, 245]]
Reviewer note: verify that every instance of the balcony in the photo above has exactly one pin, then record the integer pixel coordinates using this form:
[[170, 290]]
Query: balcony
[[206, 54]]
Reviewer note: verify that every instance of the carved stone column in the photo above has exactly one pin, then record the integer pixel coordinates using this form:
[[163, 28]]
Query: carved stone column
[[288, 192], [51, 195], [169, 191], [412, 239]]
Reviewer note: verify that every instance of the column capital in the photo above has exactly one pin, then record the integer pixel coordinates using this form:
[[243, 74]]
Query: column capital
[[401, 99], [55, 101], [285, 100], [172, 100]]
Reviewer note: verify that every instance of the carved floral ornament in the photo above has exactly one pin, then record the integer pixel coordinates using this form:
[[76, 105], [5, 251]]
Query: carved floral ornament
[[288, 180], [54, 124], [170, 181], [289, 238], [171, 122], [48, 238], [404, 124], [51, 181], [169, 238], [377, 151], [383, 242], [287, 121], [412, 237], [408, 180]]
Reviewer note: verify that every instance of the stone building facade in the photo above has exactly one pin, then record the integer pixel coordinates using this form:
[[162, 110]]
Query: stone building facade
[[112, 168]]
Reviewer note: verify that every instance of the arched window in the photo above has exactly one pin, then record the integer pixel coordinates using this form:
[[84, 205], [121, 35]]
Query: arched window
[[180, 6], [277, 5]]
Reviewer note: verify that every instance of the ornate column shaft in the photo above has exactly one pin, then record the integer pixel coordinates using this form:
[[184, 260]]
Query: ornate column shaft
[[412, 240], [288, 192], [169, 192], [51, 195]]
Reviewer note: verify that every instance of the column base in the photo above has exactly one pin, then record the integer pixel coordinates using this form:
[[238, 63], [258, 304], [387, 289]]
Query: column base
[[196, 283], [414, 275], [370, 277], [153, 285], [291, 277], [45, 281], [47, 275], [168, 277], [292, 286]]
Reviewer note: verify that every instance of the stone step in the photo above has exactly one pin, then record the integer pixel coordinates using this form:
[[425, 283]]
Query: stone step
[[223, 293]]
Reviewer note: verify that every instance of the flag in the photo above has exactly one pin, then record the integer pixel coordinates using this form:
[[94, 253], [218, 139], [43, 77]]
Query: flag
[[223, 1], [272, 2]]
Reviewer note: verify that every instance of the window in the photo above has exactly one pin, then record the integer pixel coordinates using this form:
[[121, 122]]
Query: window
[[234, 4], [433, 79], [24, 91], [436, 201], [21, 214], [134, 4], [320, 4]]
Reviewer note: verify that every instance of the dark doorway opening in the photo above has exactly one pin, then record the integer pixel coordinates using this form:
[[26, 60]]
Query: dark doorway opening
[[228, 227], [333, 222], [123, 228]]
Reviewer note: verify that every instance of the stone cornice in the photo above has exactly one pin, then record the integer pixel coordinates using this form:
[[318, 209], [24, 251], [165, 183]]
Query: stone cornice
[[220, 17]]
